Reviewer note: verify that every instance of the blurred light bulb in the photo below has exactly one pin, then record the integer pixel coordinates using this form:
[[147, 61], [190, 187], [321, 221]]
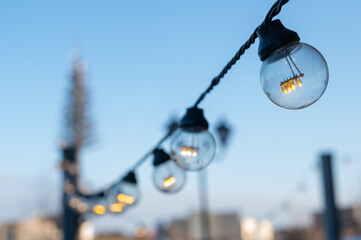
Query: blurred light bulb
[[125, 198], [293, 75], [169, 181], [167, 176], [140, 232], [99, 209], [73, 202], [116, 207], [193, 146], [82, 207], [124, 194]]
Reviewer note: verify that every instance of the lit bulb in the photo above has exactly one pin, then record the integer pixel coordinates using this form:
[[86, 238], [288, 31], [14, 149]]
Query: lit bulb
[[99, 209], [193, 146], [124, 194], [96, 205], [293, 75], [116, 207], [167, 176]]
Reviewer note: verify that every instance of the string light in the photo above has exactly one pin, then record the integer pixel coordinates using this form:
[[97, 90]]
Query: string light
[[99, 209], [287, 77], [69, 188], [294, 75], [193, 146], [82, 207], [167, 176], [124, 194], [116, 207]]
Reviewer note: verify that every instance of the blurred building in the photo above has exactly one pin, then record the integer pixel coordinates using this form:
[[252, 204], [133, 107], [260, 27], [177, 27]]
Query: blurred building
[[112, 236], [37, 227], [222, 226], [251, 229], [349, 220]]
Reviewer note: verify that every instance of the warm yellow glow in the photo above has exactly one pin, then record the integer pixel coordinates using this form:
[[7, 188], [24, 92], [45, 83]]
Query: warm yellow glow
[[116, 207], [73, 202], [82, 207], [125, 198], [65, 163], [73, 169], [69, 188], [99, 209], [169, 181], [290, 83], [140, 232], [189, 151]]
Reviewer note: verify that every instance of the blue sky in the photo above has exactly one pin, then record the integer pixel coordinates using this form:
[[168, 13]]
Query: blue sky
[[148, 60]]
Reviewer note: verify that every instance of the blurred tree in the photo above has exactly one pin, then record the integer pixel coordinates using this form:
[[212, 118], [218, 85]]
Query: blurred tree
[[77, 135]]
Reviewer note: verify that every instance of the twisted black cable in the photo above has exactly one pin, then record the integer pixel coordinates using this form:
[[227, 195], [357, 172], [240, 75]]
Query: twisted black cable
[[103, 192], [275, 10]]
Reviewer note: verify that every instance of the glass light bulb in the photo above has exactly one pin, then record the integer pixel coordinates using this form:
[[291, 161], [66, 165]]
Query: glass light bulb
[[122, 196], [294, 77], [96, 205], [168, 177], [193, 151]]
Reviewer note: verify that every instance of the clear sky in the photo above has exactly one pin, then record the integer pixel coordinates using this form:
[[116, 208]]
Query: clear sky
[[148, 60]]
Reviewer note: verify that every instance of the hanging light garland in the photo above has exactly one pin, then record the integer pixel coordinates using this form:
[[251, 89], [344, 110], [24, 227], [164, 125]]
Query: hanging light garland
[[293, 75]]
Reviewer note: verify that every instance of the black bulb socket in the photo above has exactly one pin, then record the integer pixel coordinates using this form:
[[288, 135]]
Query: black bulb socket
[[160, 157], [194, 121], [274, 36], [130, 178]]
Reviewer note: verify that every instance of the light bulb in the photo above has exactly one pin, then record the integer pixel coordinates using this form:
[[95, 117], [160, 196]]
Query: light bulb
[[99, 209], [293, 75], [124, 194], [167, 176], [193, 146]]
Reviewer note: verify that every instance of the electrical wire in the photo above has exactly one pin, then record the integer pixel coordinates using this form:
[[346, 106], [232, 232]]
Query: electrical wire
[[274, 11]]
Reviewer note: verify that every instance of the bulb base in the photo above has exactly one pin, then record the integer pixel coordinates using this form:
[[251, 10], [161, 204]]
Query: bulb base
[[194, 120], [160, 157], [273, 36], [130, 178]]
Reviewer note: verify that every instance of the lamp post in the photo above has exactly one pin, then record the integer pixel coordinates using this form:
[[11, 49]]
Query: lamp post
[[223, 132], [330, 218]]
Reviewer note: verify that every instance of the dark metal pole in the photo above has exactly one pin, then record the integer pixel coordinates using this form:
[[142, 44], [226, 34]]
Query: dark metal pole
[[204, 205], [330, 219], [71, 219]]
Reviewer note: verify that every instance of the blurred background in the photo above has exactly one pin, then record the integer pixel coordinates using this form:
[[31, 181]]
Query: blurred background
[[142, 64]]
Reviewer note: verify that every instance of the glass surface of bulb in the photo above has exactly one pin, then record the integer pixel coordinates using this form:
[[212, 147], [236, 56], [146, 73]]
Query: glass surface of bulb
[[96, 205], [193, 151], [294, 77], [169, 177], [123, 195]]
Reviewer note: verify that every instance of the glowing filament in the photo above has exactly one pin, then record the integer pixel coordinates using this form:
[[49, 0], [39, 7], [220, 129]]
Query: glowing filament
[[125, 198], [99, 209], [116, 207], [290, 83], [189, 151], [169, 182]]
